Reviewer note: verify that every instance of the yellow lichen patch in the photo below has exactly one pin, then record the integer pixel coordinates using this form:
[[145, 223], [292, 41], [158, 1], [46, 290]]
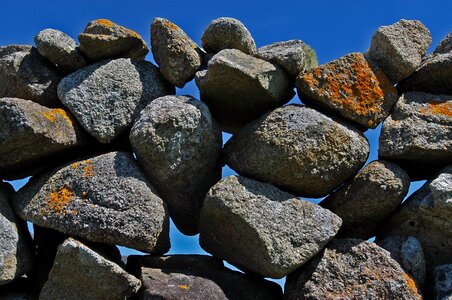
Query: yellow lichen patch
[[134, 34], [59, 200], [184, 287], [439, 108], [89, 171], [411, 284], [105, 22], [75, 165], [86, 166], [54, 113], [171, 25]]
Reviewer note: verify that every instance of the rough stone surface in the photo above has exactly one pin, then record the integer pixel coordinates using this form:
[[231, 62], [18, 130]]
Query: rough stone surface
[[15, 256], [60, 49], [25, 74], [443, 282], [31, 135], [228, 33], [81, 273], [104, 199], [298, 149], [261, 229], [351, 269], [178, 57], [106, 97], [398, 48], [104, 39], [239, 88], [293, 56], [178, 145], [366, 200], [351, 86], [445, 45], [194, 277]]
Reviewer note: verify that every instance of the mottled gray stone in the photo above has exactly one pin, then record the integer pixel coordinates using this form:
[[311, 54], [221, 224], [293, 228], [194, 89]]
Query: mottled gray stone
[[103, 199], [366, 200], [351, 269], [60, 49], [298, 149], [398, 48], [25, 74], [107, 97], [261, 229], [443, 282], [227, 33], [178, 145], [445, 45], [239, 88], [81, 273]]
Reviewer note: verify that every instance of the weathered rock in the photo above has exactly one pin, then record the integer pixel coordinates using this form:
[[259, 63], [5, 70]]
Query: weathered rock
[[108, 96], [178, 57], [104, 199], [366, 200], [81, 273], [281, 231], [104, 39], [445, 45], [194, 277], [227, 33], [443, 282], [15, 256], [398, 48], [178, 145], [351, 269], [298, 149], [239, 88], [60, 49], [32, 135], [293, 56], [351, 86], [25, 74]]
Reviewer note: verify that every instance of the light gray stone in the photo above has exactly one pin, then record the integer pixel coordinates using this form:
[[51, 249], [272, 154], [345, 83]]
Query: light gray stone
[[445, 45], [443, 282]]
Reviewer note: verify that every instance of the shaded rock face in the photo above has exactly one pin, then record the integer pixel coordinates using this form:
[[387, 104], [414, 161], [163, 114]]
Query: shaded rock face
[[178, 145], [350, 86], [299, 150], [278, 232], [106, 97], [104, 199], [81, 273], [443, 282], [239, 88], [25, 74], [372, 195], [334, 274], [445, 45], [20, 289]]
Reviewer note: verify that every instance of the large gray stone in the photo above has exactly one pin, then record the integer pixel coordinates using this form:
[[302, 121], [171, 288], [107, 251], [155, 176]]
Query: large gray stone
[[239, 88], [398, 48], [80, 273], [25, 74], [442, 276], [445, 45], [351, 269], [261, 229], [178, 145], [103, 199], [298, 149], [107, 97]]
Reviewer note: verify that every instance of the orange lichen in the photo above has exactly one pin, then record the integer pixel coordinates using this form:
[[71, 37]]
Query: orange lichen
[[133, 34], [89, 171], [86, 165], [439, 108], [105, 22], [75, 165], [184, 287], [411, 284], [54, 113], [59, 200], [171, 25]]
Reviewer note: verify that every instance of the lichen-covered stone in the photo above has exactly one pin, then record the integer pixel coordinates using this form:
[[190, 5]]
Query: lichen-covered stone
[[25, 74], [442, 277], [398, 48], [351, 86], [445, 45], [351, 269], [299, 150], [103, 199]]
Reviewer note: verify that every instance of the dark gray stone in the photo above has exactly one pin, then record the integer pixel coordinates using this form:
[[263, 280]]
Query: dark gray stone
[[20, 289], [443, 282], [445, 45]]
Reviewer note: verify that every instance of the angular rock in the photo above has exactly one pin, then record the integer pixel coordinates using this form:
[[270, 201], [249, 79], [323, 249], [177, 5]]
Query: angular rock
[[261, 229], [239, 88], [227, 33], [445, 45], [443, 282], [351, 269], [81, 273], [60, 49], [351, 86], [178, 145], [104, 199], [298, 149], [15, 255], [366, 200], [104, 39], [25, 74], [398, 48], [178, 57], [293, 56], [194, 277], [107, 97]]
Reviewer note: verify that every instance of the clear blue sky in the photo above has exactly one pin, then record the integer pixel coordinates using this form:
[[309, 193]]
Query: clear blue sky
[[332, 28]]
